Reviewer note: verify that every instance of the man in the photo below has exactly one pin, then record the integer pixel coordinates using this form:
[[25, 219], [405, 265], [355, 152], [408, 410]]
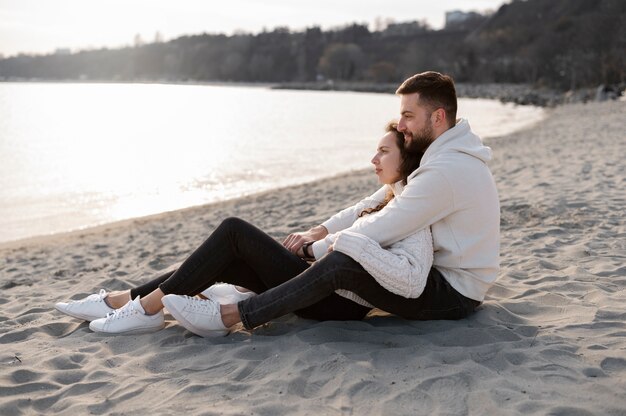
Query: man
[[452, 191]]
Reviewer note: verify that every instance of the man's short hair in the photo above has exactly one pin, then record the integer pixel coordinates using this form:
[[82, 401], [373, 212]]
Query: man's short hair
[[435, 91]]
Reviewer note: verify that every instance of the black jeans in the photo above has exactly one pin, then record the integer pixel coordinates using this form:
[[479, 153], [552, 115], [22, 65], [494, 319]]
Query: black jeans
[[241, 254]]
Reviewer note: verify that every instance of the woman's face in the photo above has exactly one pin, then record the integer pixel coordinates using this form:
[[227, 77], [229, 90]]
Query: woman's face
[[387, 159]]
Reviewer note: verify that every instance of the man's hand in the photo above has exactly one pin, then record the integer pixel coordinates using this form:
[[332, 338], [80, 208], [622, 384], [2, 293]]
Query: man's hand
[[294, 241]]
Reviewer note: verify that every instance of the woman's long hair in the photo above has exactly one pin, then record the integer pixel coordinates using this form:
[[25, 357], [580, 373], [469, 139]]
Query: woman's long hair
[[408, 163]]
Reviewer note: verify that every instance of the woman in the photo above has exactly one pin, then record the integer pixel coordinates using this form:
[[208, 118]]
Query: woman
[[251, 262]]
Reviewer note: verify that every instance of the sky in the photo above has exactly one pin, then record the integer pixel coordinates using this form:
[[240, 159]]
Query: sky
[[42, 26]]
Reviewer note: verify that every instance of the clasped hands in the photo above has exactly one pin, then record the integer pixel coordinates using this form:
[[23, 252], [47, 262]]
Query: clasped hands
[[295, 241]]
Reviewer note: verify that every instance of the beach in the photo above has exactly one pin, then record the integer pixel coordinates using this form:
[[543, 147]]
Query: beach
[[550, 337]]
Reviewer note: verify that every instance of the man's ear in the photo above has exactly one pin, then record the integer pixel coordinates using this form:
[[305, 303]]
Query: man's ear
[[438, 117]]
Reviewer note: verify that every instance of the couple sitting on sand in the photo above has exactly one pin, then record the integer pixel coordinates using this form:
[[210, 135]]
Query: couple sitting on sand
[[377, 253]]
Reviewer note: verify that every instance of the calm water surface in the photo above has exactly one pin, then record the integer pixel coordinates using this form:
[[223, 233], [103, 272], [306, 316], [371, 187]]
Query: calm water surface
[[79, 155]]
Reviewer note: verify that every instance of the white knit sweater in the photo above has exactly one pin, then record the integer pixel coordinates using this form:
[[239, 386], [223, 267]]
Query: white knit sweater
[[401, 268]]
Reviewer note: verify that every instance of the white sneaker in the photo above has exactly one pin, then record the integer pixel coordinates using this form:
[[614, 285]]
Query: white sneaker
[[129, 319], [90, 308], [200, 316], [226, 294]]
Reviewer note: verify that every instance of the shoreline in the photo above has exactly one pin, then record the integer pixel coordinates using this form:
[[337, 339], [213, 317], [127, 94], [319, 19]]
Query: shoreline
[[46, 238], [549, 338], [520, 94]]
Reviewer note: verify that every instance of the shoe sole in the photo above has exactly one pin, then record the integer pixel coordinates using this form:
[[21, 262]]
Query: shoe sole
[[137, 331], [78, 316], [189, 326]]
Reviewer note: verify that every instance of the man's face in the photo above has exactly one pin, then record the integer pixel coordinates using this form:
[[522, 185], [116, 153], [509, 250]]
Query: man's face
[[415, 123]]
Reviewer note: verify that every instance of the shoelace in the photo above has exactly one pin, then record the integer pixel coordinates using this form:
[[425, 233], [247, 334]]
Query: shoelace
[[209, 307], [99, 297], [124, 311]]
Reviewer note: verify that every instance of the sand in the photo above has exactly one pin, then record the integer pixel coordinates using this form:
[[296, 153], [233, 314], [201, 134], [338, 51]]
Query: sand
[[549, 339]]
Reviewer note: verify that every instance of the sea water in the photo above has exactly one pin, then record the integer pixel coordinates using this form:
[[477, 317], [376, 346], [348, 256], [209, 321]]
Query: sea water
[[79, 155]]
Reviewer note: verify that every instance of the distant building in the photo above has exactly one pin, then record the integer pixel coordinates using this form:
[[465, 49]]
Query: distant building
[[62, 51], [456, 17], [405, 29]]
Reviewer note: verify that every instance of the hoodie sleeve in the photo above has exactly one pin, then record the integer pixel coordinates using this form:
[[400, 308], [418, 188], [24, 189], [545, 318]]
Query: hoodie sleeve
[[427, 198], [402, 269], [346, 217]]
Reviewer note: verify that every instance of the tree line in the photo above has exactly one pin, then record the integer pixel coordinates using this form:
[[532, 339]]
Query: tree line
[[564, 44]]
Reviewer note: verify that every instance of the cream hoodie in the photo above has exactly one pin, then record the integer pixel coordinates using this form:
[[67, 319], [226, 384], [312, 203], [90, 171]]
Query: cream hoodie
[[454, 193]]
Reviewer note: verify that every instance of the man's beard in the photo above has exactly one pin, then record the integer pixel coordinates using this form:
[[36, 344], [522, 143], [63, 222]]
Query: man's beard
[[419, 142]]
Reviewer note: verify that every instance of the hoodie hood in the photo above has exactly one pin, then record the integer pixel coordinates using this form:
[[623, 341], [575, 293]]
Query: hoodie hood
[[459, 138]]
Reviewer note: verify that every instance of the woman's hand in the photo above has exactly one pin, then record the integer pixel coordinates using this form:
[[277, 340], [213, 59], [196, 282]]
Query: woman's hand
[[300, 252], [294, 241], [330, 248]]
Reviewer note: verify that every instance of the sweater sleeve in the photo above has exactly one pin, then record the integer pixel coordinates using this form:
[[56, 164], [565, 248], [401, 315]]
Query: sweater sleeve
[[320, 247], [345, 219], [402, 269]]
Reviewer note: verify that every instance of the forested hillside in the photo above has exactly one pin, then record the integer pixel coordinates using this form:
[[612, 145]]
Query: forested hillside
[[562, 44]]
